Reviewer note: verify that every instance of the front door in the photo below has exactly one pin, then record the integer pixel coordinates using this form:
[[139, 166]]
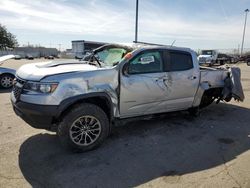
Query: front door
[[142, 89]]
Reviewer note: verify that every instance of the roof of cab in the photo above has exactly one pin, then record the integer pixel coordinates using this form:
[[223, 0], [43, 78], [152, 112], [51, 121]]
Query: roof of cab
[[168, 47], [143, 46]]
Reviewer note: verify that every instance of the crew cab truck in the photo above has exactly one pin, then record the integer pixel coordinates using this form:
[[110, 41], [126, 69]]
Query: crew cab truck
[[83, 99]]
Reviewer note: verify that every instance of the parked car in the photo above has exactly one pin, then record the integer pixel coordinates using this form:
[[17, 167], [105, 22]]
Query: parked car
[[245, 58], [18, 57], [83, 100], [29, 57], [7, 75], [49, 57], [79, 57]]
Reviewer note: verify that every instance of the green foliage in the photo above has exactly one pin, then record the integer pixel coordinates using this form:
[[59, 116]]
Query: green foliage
[[7, 39]]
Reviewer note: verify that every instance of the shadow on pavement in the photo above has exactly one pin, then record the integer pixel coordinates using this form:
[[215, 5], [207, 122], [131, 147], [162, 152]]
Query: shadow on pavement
[[5, 90], [141, 151]]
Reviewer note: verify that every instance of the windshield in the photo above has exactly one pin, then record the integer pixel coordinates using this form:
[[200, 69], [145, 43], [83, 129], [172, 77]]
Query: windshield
[[107, 55], [111, 56], [207, 52]]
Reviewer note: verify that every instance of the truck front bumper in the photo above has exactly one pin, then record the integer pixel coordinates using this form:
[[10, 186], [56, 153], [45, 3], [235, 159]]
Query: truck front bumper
[[37, 116]]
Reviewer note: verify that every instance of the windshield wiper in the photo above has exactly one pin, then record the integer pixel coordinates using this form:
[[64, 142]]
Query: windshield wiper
[[93, 60]]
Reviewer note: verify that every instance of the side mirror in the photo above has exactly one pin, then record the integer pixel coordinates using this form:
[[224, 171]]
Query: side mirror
[[125, 69]]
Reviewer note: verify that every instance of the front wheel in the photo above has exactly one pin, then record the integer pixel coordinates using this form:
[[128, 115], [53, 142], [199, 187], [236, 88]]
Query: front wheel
[[84, 128], [6, 81]]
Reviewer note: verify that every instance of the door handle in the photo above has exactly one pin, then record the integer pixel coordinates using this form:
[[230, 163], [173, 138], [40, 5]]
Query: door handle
[[192, 77], [160, 79]]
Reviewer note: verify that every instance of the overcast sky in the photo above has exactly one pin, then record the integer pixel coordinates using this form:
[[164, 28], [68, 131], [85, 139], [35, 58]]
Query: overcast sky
[[197, 24]]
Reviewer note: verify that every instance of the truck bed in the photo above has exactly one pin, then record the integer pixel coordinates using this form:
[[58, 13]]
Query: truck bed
[[214, 76]]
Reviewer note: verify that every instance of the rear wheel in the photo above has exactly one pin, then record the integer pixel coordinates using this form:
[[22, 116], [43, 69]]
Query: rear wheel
[[206, 100], [84, 128], [6, 81]]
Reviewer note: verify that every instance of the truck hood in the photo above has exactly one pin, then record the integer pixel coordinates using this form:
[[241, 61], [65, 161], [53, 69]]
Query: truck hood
[[37, 71]]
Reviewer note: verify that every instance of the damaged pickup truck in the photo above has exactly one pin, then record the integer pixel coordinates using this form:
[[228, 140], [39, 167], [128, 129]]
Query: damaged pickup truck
[[82, 100]]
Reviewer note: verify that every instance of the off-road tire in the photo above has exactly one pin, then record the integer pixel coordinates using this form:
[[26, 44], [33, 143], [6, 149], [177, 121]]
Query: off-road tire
[[84, 109]]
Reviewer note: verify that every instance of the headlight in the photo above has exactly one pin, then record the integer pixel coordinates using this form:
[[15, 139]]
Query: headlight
[[40, 87]]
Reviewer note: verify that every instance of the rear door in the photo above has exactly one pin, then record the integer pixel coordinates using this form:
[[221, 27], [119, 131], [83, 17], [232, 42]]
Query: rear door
[[182, 79]]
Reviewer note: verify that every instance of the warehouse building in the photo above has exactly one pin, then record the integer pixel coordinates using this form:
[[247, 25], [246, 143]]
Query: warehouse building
[[36, 52], [81, 47]]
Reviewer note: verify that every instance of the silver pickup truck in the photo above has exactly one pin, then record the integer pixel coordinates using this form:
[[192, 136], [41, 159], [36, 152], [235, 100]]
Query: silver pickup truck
[[82, 100]]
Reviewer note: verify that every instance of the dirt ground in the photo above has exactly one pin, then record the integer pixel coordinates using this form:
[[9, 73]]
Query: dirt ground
[[172, 151]]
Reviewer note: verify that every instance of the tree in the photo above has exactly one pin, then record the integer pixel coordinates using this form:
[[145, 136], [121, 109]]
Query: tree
[[7, 39]]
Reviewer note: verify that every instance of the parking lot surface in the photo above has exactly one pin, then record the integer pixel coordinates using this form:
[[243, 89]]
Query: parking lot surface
[[174, 150]]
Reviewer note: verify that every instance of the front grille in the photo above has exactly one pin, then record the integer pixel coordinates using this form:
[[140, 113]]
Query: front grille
[[202, 59], [17, 92], [18, 87], [22, 82]]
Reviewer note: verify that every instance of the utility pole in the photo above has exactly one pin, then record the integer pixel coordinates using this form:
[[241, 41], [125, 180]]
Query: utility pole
[[59, 47], [136, 21], [246, 11]]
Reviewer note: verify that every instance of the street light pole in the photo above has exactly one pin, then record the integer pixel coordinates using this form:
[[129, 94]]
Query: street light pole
[[136, 21], [243, 38]]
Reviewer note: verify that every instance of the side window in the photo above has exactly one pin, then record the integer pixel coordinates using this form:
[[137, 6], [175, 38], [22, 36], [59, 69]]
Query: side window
[[180, 61], [147, 62]]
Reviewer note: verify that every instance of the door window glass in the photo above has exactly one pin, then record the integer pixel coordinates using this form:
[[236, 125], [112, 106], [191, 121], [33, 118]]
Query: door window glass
[[148, 62], [180, 61]]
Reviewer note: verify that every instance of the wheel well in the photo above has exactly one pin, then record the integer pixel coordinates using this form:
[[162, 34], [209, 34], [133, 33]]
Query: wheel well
[[100, 101], [209, 96], [213, 92], [8, 74]]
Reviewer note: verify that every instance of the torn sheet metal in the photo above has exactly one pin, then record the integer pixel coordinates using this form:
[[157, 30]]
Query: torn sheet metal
[[233, 87]]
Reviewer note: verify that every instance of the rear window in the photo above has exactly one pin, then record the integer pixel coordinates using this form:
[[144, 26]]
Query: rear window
[[180, 61]]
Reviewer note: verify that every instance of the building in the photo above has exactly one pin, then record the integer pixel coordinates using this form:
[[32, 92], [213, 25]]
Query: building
[[81, 47], [36, 52]]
